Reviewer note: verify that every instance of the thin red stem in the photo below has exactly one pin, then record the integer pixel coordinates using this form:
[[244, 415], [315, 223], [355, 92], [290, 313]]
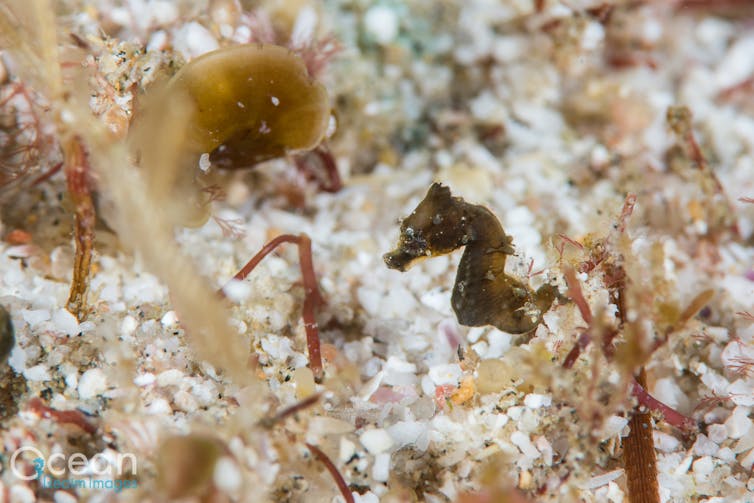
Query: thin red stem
[[312, 300], [577, 296], [325, 155], [312, 296], [339, 480], [680, 121], [322, 155], [261, 254], [297, 407], [80, 190], [571, 242], [47, 174], [628, 208], [74, 417], [573, 354], [671, 416]]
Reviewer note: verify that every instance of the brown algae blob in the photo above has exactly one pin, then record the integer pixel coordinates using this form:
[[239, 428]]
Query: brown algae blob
[[252, 103], [241, 105], [483, 294]]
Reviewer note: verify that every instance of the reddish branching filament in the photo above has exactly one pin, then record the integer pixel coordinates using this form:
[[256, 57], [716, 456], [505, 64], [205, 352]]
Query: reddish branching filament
[[312, 296], [77, 174], [339, 480], [671, 416], [74, 417], [319, 164], [23, 140]]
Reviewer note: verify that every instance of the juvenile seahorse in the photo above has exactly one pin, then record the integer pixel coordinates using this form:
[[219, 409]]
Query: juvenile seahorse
[[483, 294]]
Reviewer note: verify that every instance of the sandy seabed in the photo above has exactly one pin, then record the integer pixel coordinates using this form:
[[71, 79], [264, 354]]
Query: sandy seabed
[[552, 114]]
